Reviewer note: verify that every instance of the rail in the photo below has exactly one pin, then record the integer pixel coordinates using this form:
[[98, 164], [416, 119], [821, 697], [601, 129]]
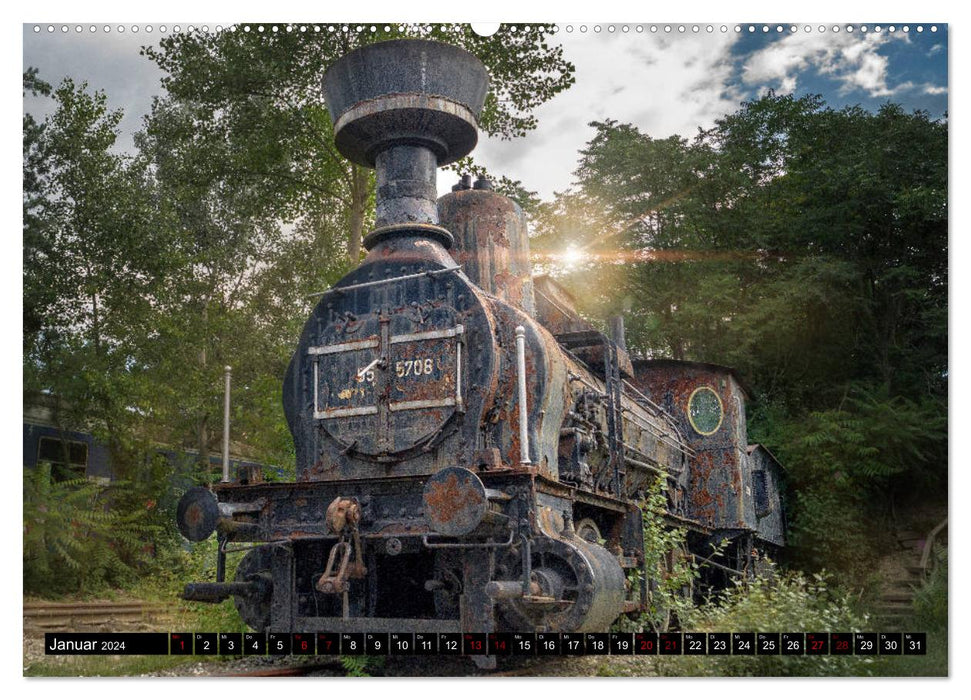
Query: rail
[[68, 616]]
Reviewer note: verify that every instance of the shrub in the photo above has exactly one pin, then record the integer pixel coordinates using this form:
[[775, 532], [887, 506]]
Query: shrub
[[75, 540], [930, 602], [671, 570], [784, 602]]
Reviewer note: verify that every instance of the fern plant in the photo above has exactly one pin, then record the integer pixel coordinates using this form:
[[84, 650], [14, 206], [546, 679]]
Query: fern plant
[[74, 539], [356, 666]]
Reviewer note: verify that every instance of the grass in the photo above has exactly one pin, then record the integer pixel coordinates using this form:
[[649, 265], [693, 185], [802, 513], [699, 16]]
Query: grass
[[195, 617], [103, 666], [164, 587]]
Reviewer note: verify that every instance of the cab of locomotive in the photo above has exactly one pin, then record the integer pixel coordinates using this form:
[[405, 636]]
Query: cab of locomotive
[[733, 487]]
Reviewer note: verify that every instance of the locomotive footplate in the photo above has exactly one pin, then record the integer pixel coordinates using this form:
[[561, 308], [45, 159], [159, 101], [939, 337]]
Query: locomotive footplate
[[456, 551], [362, 556]]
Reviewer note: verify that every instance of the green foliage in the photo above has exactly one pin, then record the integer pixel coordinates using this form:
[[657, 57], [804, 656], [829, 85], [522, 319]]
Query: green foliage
[[254, 112], [667, 562], [84, 666], [930, 602], [76, 540], [830, 528], [89, 258], [672, 571], [786, 242], [356, 666], [785, 601], [840, 459], [869, 439], [807, 248]]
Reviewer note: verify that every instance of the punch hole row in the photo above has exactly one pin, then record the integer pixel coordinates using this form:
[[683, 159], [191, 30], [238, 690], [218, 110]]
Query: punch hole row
[[260, 29], [569, 28], [749, 28]]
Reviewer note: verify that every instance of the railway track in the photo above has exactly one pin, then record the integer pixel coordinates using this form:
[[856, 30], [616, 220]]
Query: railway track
[[63, 617], [535, 668], [291, 671]]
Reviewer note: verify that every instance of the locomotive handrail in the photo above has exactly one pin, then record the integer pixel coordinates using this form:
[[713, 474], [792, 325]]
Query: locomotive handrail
[[646, 463], [387, 280], [663, 436], [639, 395], [657, 432], [642, 397]]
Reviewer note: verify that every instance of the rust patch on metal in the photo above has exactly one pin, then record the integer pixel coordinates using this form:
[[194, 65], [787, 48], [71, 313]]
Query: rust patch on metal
[[342, 513], [454, 501], [447, 499]]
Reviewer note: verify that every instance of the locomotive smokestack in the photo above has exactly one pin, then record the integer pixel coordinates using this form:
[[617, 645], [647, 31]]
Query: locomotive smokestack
[[405, 108]]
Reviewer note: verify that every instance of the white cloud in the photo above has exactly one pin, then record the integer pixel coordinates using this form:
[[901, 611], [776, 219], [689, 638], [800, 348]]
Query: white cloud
[[852, 59], [871, 75], [663, 84], [935, 89]]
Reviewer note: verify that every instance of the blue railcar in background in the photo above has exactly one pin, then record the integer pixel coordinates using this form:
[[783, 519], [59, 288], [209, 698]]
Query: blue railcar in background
[[73, 454]]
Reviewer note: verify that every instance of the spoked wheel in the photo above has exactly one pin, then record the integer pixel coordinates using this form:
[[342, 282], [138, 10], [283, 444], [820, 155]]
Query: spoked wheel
[[587, 530]]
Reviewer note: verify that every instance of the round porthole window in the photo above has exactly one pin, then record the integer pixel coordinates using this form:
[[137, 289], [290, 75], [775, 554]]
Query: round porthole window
[[705, 410]]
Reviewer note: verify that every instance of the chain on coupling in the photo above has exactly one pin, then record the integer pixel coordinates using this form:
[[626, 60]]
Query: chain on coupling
[[342, 518]]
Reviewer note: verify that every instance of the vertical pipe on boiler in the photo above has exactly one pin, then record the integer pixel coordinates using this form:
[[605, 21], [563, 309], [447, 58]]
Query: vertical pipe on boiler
[[617, 333], [523, 417]]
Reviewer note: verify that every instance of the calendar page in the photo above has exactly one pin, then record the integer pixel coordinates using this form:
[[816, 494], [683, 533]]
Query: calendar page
[[536, 349]]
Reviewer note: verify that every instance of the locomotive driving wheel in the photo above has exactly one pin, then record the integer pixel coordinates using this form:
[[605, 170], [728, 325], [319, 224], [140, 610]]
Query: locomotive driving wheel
[[587, 530]]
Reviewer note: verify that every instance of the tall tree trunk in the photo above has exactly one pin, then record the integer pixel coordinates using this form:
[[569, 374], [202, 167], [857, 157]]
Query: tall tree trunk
[[203, 434], [119, 461]]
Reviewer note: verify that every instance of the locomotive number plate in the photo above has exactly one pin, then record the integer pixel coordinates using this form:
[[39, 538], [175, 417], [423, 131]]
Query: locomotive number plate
[[389, 388]]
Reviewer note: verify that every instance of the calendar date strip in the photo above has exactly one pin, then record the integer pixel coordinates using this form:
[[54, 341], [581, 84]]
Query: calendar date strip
[[488, 644]]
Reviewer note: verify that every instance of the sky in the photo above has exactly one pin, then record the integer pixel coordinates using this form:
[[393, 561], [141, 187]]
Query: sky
[[669, 83], [661, 79]]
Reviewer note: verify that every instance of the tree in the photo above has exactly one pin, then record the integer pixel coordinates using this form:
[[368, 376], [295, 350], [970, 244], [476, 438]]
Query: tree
[[806, 247], [35, 174], [259, 91], [789, 236], [89, 261]]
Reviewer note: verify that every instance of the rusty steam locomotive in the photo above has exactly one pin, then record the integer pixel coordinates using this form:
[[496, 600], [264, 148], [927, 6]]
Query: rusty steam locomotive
[[470, 451]]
